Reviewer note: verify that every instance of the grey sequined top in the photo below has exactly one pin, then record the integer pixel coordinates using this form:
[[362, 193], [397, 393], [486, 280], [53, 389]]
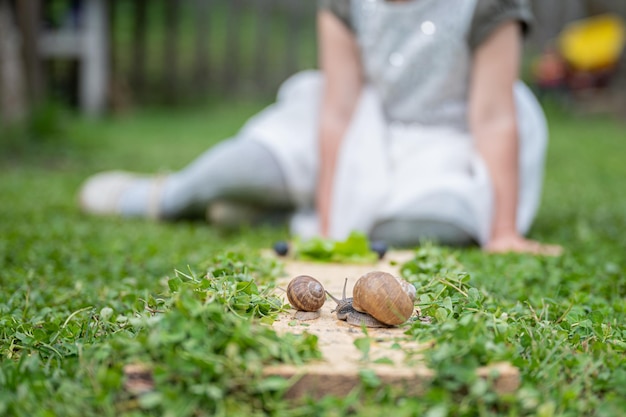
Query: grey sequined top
[[488, 14], [417, 54]]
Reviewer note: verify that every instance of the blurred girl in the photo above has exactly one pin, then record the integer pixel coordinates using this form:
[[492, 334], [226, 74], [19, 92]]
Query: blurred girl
[[415, 128]]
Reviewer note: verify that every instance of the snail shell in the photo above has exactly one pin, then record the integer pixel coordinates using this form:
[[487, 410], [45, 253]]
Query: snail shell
[[305, 293], [382, 296], [408, 288]]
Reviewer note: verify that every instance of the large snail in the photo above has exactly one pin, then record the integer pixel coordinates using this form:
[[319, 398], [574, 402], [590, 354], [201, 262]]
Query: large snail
[[307, 295], [379, 300]]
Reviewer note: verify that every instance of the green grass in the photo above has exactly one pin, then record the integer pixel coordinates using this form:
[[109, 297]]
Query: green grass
[[81, 297]]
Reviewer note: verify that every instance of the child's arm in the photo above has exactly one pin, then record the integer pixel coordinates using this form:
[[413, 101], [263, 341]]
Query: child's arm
[[340, 63], [493, 123]]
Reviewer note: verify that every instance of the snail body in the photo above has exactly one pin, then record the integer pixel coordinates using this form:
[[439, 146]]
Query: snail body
[[307, 295], [346, 312]]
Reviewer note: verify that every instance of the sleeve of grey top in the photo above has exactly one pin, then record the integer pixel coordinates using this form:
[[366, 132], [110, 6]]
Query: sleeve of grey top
[[489, 14], [340, 8]]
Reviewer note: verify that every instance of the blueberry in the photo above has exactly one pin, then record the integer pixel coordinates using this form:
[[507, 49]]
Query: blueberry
[[379, 247], [281, 248]]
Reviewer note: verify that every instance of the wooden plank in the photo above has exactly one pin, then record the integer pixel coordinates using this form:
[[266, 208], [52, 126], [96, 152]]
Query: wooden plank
[[293, 35], [233, 44], [551, 17], [202, 45], [94, 65], [60, 44], [139, 52], [28, 15], [339, 371], [13, 107], [113, 98], [263, 15], [607, 6], [170, 50]]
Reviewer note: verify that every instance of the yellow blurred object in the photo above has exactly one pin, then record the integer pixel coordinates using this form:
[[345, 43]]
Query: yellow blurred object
[[593, 43]]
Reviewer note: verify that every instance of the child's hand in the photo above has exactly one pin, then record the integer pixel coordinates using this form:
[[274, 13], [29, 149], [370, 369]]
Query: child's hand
[[518, 244]]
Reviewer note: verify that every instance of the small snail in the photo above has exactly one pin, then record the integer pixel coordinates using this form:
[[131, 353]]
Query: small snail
[[307, 295], [380, 300]]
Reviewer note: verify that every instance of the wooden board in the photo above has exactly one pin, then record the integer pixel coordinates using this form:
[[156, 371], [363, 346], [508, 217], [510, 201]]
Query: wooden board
[[339, 371]]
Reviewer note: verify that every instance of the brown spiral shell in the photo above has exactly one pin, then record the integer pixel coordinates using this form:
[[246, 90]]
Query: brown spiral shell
[[305, 293], [382, 296]]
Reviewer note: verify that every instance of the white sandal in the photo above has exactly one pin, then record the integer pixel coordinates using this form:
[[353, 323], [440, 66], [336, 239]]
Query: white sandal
[[100, 194]]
